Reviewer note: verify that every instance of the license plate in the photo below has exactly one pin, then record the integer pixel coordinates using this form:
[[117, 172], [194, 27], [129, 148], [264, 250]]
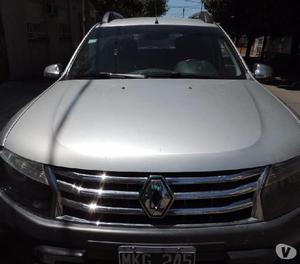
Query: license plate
[[156, 255]]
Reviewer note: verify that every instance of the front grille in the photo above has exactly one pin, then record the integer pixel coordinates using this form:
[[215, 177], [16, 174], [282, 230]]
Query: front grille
[[112, 198]]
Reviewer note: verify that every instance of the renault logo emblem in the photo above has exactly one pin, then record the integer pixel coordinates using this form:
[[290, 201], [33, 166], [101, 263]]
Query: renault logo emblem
[[156, 197]]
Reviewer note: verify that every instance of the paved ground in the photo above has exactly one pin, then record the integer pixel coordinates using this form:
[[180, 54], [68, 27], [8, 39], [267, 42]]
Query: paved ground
[[13, 96], [291, 97]]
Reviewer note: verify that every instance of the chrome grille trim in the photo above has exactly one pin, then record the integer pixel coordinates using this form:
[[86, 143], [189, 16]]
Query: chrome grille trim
[[93, 208], [96, 193], [104, 178], [113, 194], [105, 198], [138, 211], [72, 219], [213, 210], [100, 223], [101, 178], [245, 189], [213, 179]]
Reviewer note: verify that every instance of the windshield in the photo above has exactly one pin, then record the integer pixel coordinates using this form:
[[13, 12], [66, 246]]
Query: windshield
[[156, 51]]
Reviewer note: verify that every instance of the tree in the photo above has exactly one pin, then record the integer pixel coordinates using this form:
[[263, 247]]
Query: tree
[[240, 17], [132, 8], [257, 18]]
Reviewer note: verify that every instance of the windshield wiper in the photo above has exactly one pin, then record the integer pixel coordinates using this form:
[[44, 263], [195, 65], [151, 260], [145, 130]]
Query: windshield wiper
[[108, 75], [178, 75], [167, 75]]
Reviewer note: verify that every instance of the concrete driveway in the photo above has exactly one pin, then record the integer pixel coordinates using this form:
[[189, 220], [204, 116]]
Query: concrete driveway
[[14, 95], [291, 97]]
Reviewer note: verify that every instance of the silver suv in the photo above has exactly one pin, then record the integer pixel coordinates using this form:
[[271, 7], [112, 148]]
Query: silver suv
[[156, 145]]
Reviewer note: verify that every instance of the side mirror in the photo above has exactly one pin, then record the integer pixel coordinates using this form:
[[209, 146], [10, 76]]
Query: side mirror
[[53, 71], [262, 72]]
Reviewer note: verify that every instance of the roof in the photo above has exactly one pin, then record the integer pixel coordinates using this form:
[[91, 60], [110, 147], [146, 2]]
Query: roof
[[161, 20]]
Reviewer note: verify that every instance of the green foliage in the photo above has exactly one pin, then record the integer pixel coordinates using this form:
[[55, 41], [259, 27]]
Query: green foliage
[[131, 8], [149, 7], [256, 17]]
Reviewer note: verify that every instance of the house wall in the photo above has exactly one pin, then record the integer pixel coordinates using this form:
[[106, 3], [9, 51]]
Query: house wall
[[39, 33]]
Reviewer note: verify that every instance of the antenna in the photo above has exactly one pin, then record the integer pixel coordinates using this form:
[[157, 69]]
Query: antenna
[[155, 9]]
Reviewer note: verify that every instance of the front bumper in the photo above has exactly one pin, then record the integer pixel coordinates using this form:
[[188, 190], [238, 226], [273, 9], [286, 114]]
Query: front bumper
[[253, 242]]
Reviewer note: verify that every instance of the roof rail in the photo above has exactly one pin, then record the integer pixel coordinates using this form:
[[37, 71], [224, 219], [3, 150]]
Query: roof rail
[[204, 16], [110, 16]]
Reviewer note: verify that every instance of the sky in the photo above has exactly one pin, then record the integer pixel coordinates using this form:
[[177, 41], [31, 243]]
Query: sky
[[176, 7]]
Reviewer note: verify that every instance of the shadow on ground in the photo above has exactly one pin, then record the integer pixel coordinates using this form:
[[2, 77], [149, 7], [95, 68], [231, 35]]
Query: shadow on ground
[[285, 83], [14, 248], [14, 95]]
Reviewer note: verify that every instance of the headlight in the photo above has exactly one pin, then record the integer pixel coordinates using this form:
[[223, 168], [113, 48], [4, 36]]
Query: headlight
[[32, 170], [25, 182], [281, 194]]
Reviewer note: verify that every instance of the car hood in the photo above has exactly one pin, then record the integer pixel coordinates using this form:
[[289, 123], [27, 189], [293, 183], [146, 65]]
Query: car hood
[[156, 125]]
